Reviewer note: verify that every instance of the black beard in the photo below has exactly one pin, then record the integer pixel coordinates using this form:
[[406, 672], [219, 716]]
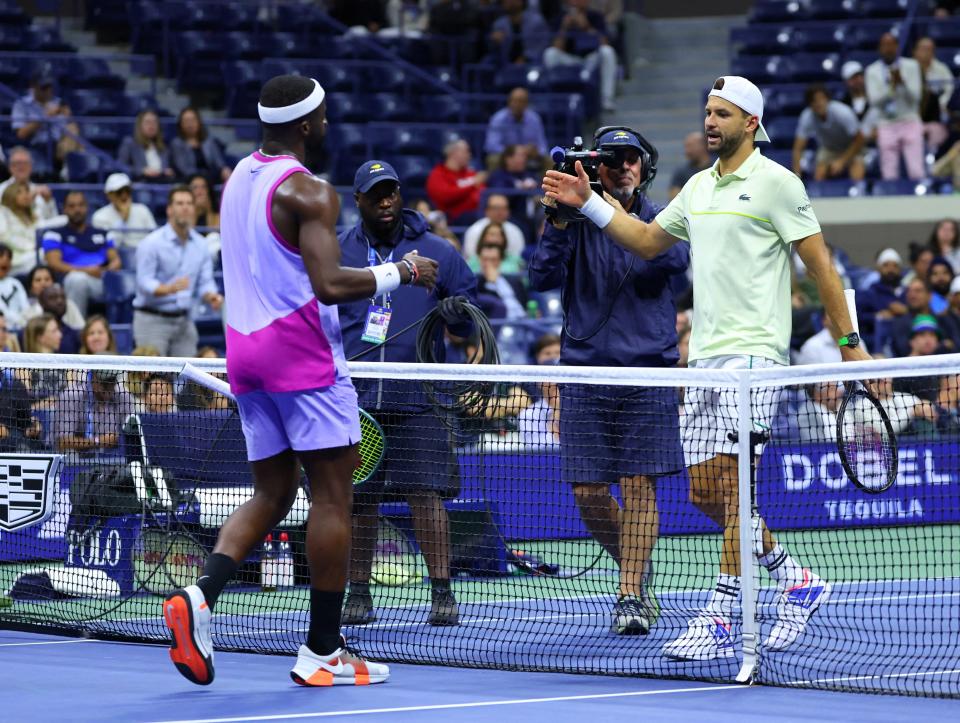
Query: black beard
[[729, 145]]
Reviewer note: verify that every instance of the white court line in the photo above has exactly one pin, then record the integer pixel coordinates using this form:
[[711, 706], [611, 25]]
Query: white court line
[[876, 676], [51, 642], [453, 706]]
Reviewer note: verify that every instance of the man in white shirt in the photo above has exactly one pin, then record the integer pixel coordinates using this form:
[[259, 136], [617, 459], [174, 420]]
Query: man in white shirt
[[894, 87], [839, 140], [127, 222], [497, 210], [21, 168]]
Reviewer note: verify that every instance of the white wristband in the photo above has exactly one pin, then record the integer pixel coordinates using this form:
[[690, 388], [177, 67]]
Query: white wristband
[[598, 210], [387, 276]]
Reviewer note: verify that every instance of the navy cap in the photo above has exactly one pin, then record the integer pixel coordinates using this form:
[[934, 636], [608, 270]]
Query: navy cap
[[619, 138], [371, 173], [42, 77]]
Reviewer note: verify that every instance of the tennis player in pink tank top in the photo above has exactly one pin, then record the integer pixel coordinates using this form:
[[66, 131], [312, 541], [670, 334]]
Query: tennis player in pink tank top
[[283, 281]]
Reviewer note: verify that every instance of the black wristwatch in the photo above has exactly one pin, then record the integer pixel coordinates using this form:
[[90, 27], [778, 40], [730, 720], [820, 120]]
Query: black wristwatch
[[851, 340]]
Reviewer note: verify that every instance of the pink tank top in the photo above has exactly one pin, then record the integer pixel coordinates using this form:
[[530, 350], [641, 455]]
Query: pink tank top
[[280, 338]]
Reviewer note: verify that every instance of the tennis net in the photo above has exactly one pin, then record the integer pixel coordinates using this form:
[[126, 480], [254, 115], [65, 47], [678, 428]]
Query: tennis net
[[555, 499]]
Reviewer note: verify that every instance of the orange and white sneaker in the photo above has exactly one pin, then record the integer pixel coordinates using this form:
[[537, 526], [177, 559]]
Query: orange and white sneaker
[[187, 615], [341, 667]]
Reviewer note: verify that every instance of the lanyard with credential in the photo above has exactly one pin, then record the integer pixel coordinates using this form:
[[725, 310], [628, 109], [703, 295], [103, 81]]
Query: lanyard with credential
[[378, 317]]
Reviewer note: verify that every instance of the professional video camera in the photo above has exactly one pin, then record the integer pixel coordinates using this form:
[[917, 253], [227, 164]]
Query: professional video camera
[[610, 154]]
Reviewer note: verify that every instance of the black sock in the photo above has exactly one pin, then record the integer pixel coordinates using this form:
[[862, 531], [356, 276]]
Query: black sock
[[324, 635], [440, 584], [217, 571]]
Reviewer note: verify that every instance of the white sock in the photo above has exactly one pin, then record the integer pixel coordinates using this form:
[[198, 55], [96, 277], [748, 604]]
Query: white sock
[[782, 568], [724, 596]]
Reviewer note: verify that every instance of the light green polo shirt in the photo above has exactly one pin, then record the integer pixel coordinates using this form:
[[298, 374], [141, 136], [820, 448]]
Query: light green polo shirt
[[740, 227]]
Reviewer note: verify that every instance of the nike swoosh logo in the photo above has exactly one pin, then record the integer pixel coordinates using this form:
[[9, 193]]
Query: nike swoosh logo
[[335, 670]]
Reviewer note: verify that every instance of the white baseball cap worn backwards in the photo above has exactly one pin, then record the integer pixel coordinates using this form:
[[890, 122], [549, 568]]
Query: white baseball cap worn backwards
[[746, 96]]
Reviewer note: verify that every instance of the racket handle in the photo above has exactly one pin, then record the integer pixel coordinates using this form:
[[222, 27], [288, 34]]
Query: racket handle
[[207, 380], [850, 296]]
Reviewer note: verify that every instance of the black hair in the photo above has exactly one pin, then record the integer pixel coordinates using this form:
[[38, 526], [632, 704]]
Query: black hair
[[932, 242], [178, 188], [6, 251], [285, 90], [813, 90], [74, 192], [543, 342]]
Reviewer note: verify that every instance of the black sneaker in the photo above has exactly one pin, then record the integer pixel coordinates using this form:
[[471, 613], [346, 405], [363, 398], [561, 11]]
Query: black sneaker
[[631, 617], [444, 609], [358, 609]]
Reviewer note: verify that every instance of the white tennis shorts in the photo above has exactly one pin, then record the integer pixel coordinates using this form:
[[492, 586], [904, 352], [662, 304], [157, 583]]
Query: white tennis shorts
[[710, 414]]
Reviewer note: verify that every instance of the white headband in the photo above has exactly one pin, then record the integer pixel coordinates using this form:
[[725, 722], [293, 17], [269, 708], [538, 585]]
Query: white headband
[[292, 112]]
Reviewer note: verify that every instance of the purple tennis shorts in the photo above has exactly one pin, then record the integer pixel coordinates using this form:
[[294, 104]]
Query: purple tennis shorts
[[301, 421]]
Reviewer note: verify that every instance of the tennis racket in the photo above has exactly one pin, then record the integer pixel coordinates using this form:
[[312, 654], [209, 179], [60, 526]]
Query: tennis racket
[[865, 439], [165, 560], [373, 442], [395, 560]]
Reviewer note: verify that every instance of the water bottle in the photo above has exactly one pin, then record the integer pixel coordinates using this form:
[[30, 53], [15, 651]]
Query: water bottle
[[268, 565], [533, 309], [284, 562]]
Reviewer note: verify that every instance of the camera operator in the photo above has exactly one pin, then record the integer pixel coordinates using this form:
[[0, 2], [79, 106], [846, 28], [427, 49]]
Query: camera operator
[[619, 310]]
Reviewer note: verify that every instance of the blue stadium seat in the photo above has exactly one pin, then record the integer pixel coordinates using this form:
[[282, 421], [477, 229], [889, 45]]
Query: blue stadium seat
[[95, 102], [244, 45], [387, 141], [93, 73], [818, 39], [831, 9], [835, 188], [133, 103], [777, 11], [761, 40], [393, 107], [568, 78], [413, 170], [349, 216], [866, 35], [347, 137], [44, 39], [205, 16], [288, 45], [944, 31], [104, 135], [446, 108], [334, 77], [951, 57], [900, 187], [789, 100], [119, 288], [883, 8], [811, 67], [513, 76], [782, 131], [348, 107], [387, 77], [782, 156], [759, 69]]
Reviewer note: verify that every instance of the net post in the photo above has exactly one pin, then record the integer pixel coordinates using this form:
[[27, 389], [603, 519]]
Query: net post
[[746, 515]]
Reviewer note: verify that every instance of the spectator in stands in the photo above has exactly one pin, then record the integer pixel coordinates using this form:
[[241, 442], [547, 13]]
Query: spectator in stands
[[948, 165], [39, 278], [925, 335], [20, 164], [894, 87], [539, 424], [437, 221], [514, 175], [96, 337], [360, 16], [90, 413], [136, 380], [939, 277], [950, 319], [881, 300], [916, 296], [583, 39], [453, 187], [937, 91], [18, 227], [145, 152], [174, 272], [8, 340], [408, 18], [13, 297], [945, 242], [43, 336], [496, 210], [159, 397], [518, 125], [419, 463], [698, 158], [902, 408], [498, 295], [837, 131], [520, 35], [821, 348], [817, 415], [40, 118], [207, 212], [53, 301], [127, 222], [80, 253], [20, 430], [920, 258], [855, 94], [494, 234], [194, 152]]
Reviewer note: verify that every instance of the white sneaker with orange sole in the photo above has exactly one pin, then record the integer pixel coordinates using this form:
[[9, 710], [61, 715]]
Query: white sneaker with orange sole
[[341, 667]]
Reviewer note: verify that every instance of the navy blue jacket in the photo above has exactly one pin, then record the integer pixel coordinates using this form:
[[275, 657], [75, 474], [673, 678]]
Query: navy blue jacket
[[598, 278], [408, 304], [876, 298]]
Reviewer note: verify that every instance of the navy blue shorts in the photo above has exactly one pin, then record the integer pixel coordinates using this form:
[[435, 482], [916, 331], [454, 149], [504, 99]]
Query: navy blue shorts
[[419, 456], [611, 432]]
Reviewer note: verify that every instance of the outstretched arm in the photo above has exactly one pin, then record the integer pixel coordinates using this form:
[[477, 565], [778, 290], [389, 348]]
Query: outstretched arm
[[644, 239], [305, 211]]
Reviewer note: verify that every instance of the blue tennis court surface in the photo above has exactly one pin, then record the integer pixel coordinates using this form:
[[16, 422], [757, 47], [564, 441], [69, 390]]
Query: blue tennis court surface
[[48, 678]]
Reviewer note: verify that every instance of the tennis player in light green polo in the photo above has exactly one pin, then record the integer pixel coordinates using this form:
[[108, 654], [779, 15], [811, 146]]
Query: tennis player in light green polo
[[741, 217]]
